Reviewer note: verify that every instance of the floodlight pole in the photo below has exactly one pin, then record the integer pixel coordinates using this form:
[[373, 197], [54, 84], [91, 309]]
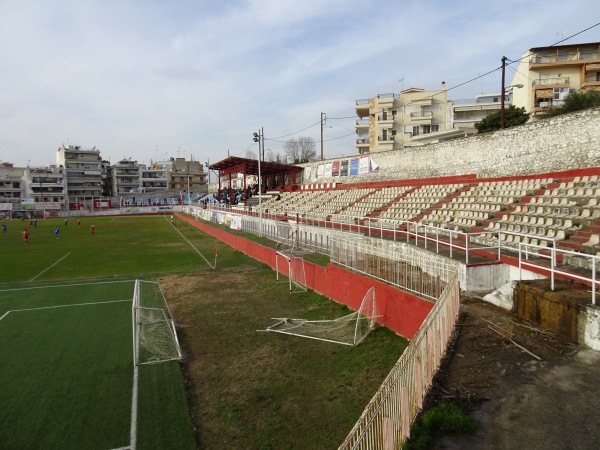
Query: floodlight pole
[[259, 137], [502, 124]]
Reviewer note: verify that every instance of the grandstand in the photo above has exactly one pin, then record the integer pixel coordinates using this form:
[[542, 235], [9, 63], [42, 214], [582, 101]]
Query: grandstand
[[527, 197], [537, 210]]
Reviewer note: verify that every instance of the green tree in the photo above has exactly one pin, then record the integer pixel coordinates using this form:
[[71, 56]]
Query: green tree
[[575, 101], [512, 116]]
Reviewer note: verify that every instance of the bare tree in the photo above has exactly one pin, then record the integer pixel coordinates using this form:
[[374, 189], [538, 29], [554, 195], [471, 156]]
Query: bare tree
[[270, 155], [250, 154], [300, 150]]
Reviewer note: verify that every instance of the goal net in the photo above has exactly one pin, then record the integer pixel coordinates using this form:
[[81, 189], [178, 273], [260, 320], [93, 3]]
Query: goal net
[[351, 329], [154, 335], [295, 270]]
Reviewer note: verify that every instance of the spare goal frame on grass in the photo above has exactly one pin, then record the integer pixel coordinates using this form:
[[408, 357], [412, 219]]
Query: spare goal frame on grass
[[350, 329], [154, 335], [296, 272]]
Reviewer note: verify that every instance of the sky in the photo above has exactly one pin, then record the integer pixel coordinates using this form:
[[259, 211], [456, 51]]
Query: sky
[[154, 79]]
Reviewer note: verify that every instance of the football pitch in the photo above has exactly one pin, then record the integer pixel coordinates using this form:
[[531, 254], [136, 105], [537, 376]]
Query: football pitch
[[66, 345], [67, 373]]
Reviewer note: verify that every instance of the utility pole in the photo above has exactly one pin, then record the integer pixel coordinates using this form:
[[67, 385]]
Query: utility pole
[[502, 124], [323, 118], [260, 138]]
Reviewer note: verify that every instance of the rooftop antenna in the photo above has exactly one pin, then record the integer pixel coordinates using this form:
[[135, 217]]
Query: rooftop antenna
[[562, 36], [401, 80]]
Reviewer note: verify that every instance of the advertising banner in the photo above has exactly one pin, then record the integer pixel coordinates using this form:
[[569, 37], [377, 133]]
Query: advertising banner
[[321, 171], [335, 168], [354, 166], [344, 168], [363, 165], [307, 171]]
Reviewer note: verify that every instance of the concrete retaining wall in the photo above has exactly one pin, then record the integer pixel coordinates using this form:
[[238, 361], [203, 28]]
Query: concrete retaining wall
[[568, 142]]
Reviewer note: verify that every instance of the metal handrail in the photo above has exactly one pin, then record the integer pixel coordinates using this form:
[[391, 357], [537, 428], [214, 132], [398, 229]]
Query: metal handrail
[[453, 240]]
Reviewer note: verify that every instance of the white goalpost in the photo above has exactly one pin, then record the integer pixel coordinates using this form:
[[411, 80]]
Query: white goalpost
[[295, 271], [351, 329], [154, 336]]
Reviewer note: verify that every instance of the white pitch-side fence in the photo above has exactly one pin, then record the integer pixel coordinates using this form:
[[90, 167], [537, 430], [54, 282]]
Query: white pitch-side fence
[[385, 422], [420, 272]]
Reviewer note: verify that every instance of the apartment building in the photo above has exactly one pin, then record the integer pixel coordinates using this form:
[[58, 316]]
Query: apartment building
[[84, 172], [46, 186], [466, 113], [391, 121], [549, 74], [12, 187], [187, 176], [153, 178], [125, 177]]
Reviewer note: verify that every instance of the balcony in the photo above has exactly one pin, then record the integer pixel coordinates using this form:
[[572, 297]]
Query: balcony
[[422, 117], [570, 58], [362, 142], [383, 139], [386, 100], [363, 123], [362, 107], [591, 80], [386, 119], [558, 82]]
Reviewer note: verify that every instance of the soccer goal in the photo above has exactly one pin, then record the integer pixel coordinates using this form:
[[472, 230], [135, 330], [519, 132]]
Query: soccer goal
[[295, 271], [154, 335], [351, 329]]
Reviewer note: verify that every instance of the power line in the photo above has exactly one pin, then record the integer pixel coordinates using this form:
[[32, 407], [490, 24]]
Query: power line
[[478, 77], [340, 137], [295, 132]]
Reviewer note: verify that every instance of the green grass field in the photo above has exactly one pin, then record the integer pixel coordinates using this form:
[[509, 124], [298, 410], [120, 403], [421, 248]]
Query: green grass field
[[67, 372], [66, 339]]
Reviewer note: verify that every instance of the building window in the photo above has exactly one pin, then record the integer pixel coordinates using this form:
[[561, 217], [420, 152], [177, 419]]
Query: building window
[[435, 128], [426, 129], [415, 131]]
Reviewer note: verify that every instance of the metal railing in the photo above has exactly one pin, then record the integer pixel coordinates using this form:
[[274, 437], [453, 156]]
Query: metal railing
[[317, 230], [385, 422], [411, 269], [537, 59], [421, 114], [548, 81]]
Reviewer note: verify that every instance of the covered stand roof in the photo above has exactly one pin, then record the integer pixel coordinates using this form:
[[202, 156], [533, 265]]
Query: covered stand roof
[[234, 164]]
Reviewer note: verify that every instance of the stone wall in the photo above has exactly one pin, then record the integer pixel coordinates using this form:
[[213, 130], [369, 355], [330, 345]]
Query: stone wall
[[567, 142]]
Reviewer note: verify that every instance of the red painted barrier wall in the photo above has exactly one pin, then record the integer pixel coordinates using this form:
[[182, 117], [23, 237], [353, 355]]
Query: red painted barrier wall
[[400, 311]]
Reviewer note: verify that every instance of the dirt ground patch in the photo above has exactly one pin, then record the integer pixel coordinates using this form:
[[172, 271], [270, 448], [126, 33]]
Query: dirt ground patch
[[521, 401], [255, 390]]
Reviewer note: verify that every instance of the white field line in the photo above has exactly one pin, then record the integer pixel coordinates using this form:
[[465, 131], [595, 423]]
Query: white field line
[[50, 267], [65, 285], [192, 245], [134, 401], [64, 306], [133, 433]]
